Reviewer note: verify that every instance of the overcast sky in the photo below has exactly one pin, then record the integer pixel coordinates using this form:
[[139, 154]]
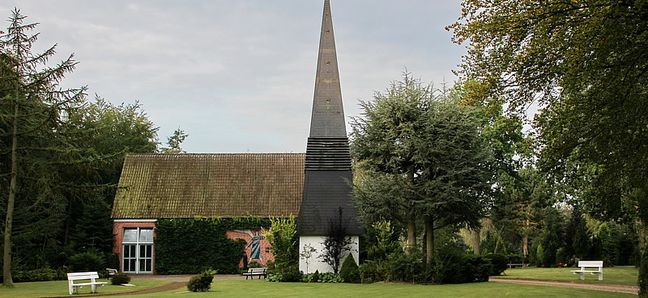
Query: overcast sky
[[238, 76]]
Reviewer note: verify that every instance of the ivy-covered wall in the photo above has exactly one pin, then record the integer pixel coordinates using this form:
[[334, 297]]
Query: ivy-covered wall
[[187, 246]]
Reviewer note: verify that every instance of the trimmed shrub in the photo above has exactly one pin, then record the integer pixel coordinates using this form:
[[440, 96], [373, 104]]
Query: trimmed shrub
[[499, 263], [201, 282], [330, 277], [516, 258], [405, 267], [373, 271], [313, 277], [42, 274], [349, 271], [61, 273], [457, 267], [292, 275], [120, 278], [287, 274], [480, 268], [86, 261]]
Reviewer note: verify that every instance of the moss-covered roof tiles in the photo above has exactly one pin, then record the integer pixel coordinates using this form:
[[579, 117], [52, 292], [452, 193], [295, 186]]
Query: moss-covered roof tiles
[[210, 185]]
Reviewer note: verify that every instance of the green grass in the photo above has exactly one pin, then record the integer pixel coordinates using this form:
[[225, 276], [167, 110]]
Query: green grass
[[261, 288], [60, 288], [620, 275]]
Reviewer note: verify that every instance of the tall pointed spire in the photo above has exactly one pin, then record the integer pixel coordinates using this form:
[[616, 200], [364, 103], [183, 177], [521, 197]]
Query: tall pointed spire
[[327, 171], [328, 113]]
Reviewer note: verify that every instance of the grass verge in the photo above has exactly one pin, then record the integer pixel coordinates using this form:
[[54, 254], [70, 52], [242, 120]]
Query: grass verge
[[260, 288], [60, 288], [619, 275]]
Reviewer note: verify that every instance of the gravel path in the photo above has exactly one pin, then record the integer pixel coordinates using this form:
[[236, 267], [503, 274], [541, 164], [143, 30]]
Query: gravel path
[[606, 288]]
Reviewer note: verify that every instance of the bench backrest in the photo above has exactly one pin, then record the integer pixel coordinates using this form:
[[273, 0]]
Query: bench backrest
[[590, 264], [256, 270], [82, 275]]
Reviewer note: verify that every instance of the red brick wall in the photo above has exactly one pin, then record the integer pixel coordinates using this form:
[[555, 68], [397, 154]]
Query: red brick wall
[[118, 233], [264, 254]]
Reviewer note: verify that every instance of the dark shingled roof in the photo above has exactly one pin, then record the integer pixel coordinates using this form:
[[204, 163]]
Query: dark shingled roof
[[210, 185], [327, 189]]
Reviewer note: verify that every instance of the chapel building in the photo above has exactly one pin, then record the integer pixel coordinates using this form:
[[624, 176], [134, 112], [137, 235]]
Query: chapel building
[[315, 186]]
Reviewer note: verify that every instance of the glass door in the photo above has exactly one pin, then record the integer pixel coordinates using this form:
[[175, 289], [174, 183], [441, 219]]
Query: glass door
[[145, 258], [130, 257], [137, 250]]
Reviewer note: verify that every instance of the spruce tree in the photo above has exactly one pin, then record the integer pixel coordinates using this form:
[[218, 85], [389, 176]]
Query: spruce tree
[[32, 107]]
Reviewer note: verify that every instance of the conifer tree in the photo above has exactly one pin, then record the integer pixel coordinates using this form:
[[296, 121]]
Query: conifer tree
[[32, 107], [424, 160]]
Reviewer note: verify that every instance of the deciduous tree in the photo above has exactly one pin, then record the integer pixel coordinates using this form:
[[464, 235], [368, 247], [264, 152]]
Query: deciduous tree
[[585, 63]]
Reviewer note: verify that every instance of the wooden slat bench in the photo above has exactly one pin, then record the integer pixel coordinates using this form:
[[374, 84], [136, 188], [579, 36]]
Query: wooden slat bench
[[252, 272], [90, 279], [111, 272], [513, 265], [589, 264]]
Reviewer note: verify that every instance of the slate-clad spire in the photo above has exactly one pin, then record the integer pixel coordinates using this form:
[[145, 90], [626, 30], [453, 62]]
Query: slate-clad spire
[[327, 119], [328, 176]]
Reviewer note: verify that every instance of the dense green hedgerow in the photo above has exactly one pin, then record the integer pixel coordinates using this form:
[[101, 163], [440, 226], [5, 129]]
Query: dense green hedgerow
[[185, 246]]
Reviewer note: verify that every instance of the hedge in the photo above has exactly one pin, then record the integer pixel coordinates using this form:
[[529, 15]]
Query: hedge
[[187, 246]]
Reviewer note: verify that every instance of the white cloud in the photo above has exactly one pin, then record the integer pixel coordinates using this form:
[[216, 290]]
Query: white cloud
[[239, 75]]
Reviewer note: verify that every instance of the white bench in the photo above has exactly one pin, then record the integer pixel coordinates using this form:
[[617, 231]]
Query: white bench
[[513, 265], [90, 279], [111, 272], [589, 264], [255, 272]]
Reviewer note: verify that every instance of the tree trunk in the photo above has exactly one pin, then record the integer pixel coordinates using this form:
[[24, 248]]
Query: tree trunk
[[525, 239], [643, 275], [411, 237], [642, 234], [6, 256], [429, 240], [476, 239], [643, 260], [525, 246]]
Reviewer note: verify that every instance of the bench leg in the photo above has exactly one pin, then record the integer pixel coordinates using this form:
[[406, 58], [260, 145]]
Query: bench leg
[[93, 288], [70, 289], [581, 275], [600, 276]]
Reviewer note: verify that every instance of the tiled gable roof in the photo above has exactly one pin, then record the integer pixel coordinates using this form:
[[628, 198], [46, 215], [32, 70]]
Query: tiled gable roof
[[210, 185]]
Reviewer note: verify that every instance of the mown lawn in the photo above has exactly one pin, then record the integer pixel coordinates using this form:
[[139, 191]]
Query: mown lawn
[[60, 288], [261, 288], [620, 275]]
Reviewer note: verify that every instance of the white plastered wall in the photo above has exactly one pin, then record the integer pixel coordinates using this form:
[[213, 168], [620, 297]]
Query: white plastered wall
[[315, 263]]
